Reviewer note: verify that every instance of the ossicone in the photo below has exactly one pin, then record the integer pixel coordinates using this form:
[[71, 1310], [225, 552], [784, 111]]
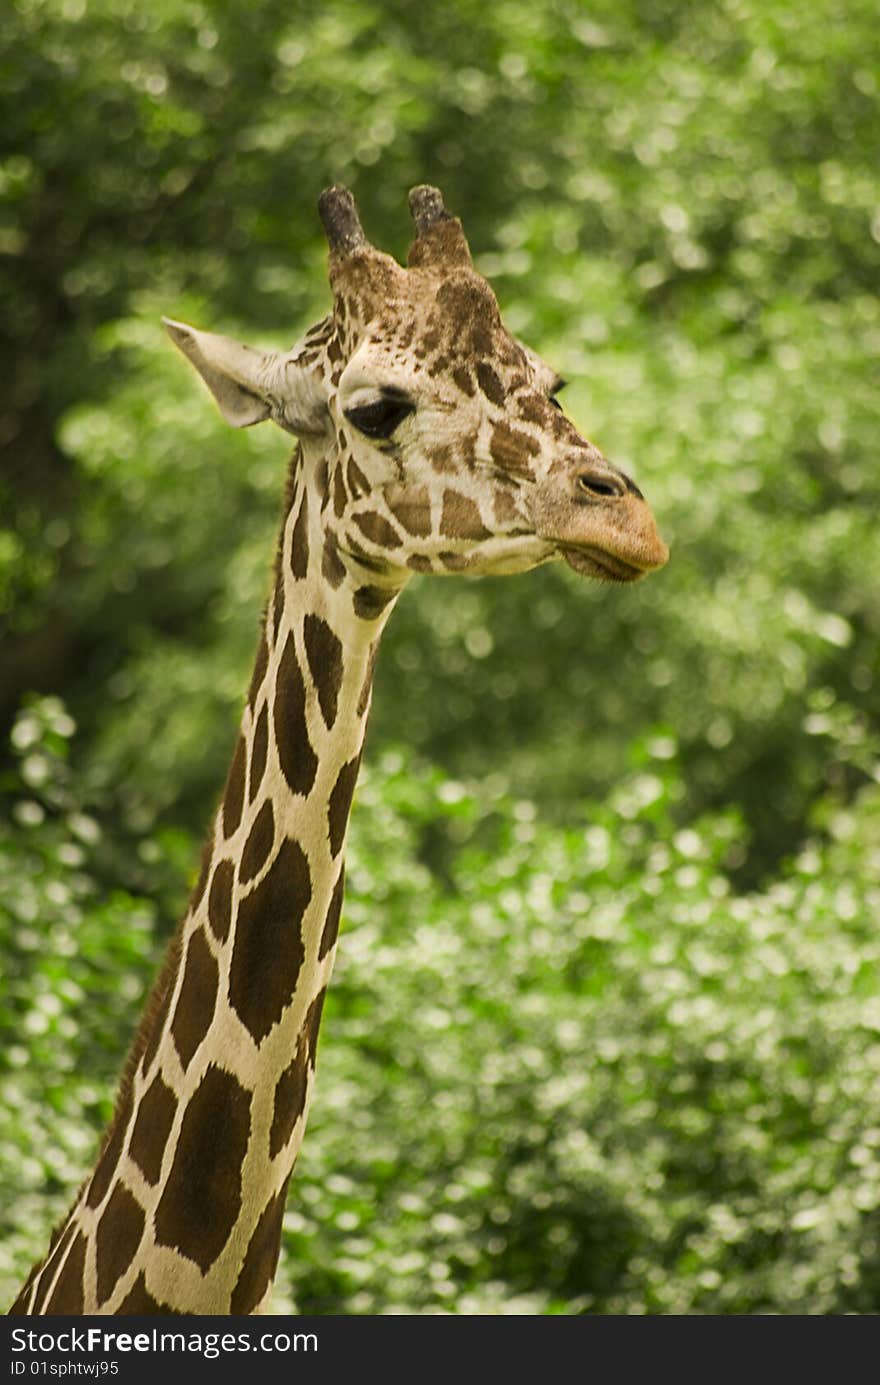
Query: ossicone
[[339, 216], [440, 239]]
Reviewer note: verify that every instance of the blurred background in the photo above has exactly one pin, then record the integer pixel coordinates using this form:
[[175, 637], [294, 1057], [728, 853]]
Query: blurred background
[[604, 1034]]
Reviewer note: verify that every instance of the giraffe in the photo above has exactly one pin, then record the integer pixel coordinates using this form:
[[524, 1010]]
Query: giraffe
[[429, 440]]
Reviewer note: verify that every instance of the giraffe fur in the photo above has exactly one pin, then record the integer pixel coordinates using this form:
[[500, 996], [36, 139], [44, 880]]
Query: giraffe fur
[[429, 441]]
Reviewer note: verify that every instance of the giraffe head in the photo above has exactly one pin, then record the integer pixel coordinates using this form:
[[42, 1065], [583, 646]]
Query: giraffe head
[[437, 439]]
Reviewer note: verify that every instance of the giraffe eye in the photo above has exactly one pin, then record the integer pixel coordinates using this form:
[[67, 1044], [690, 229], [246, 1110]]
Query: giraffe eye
[[379, 420]]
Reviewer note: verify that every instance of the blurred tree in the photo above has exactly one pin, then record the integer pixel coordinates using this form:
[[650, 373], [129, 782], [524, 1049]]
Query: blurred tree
[[678, 207], [686, 226]]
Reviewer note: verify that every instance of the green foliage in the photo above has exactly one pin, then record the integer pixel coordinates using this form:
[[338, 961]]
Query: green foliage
[[569, 1070], [605, 1046], [678, 206], [76, 949], [586, 1075]]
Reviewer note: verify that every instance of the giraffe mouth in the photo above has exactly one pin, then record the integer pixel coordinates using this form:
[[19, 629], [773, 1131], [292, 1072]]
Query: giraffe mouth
[[595, 562]]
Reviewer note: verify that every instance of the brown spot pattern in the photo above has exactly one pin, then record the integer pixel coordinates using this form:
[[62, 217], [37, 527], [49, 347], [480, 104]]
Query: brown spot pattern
[[261, 1257], [466, 302], [454, 562], [139, 1300], [481, 339], [233, 798], [106, 1166], [202, 881], [430, 339], [331, 923], [358, 484], [299, 763], [532, 408], [201, 1201], [67, 1295], [414, 512], [277, 605], [489, 383], [340, 496], [370, 602], [378, 529], [299, 549], [220, 900], [339, 805], [461, 518], [367, 685], [512, 449], [116, 1239], [506, 510], [151, 1129], [438, 366], [156, 1013], [442, 457], [324, 653], [464, 380], [268, 950], [290, 1098], [43, 1270], [260, 665], [322, 476], [197, 999], [365, 558], [259, 750], [258, 844], [332, 567], [312, 1025]]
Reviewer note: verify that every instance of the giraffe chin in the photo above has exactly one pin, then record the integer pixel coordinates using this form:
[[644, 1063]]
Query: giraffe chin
[[604, 567]]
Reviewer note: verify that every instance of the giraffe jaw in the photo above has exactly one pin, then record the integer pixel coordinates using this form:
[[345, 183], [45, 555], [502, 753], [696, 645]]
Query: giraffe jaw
[[589, 561]]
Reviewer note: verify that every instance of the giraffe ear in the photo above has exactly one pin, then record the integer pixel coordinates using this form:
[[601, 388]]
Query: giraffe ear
[[249, 385]]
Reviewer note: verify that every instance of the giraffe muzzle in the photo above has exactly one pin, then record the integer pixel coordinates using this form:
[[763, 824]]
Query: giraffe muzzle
[[602, 526]]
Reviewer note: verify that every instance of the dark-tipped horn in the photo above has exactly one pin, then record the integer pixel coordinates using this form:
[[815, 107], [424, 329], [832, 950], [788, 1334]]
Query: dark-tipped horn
[[426, 207], [439, 237], [337, 210]]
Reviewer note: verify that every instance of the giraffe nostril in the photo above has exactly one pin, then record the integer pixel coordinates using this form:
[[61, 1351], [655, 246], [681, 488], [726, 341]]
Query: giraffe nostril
[[605, 487]]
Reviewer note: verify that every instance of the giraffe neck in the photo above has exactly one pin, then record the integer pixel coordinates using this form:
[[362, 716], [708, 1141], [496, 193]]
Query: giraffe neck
[[183, 1211]]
